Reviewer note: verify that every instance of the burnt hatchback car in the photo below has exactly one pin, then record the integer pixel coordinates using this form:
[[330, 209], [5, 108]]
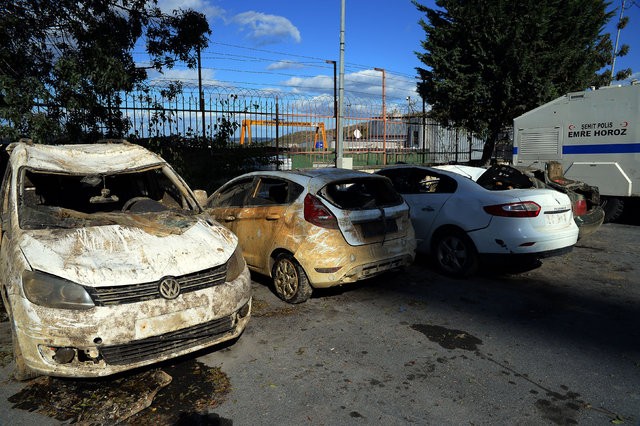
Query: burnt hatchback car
[[316, 228], [108, 263]]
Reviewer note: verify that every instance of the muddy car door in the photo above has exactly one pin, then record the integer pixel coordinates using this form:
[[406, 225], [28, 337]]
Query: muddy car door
[[263, 217], [254, 208]]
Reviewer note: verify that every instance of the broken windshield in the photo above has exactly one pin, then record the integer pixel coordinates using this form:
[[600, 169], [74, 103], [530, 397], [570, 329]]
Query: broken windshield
[[54, 200]]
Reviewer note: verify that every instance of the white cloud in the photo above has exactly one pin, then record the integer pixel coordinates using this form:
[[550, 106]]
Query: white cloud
[[187, 76], [367, 83], [284, 65], [319, 83], [266, 29]]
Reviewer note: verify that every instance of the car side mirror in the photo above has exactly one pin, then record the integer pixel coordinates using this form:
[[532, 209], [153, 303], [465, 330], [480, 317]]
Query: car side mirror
[[201, 196]]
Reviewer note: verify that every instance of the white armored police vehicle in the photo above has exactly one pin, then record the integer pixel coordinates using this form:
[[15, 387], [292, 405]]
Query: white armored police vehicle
[[594, 134]]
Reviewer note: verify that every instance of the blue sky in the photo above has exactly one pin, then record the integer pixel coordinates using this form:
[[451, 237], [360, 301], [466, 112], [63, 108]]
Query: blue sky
[[284, 44]]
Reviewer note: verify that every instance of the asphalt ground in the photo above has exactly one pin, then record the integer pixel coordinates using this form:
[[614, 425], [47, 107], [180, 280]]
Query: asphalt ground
[[559, 344]]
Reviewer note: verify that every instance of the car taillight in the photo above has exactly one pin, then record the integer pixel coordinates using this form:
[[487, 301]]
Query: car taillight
[[522, 209], [580, 207], [317, 213]]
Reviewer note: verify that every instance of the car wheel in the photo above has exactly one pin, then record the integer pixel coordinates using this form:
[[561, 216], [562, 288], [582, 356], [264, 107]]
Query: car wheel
[[290, 280], [20, 372], [455, 254], [612, 207]]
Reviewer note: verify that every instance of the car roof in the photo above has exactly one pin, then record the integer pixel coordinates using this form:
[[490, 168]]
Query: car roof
[[319, 176], [471, 172], [436, 170], [82, 158]]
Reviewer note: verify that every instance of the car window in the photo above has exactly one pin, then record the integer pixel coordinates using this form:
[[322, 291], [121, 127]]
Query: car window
[[502, 177], [361, 193], [232, 195], [420, 181], [274, 191], [48, 199]]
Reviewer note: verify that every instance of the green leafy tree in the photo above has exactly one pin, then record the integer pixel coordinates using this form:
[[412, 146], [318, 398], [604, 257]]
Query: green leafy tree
[[64, 64], [488, 61]]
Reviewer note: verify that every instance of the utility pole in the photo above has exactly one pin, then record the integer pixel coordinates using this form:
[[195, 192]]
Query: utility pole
[[339, 139], [335, 102], [384, 119]]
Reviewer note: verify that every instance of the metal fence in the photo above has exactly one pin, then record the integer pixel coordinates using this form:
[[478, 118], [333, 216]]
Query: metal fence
[[301, 127]]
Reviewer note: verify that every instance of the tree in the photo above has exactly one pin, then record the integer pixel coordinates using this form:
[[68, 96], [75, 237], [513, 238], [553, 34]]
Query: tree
[[488, 61], [64, 64]]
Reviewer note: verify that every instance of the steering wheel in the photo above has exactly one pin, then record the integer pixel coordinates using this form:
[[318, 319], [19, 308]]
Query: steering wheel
[[131, 201]]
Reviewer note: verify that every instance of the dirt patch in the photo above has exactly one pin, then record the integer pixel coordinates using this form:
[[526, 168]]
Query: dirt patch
[[91, 401], [173, 394], [260, 308], [448, 339]]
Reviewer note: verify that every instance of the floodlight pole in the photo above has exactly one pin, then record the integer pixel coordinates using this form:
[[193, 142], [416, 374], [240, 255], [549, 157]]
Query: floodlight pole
[[340, 116], [384, 120]]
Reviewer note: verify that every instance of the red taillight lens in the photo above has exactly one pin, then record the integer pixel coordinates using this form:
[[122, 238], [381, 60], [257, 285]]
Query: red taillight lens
[[580, 207], [317, 213], [523, 209]]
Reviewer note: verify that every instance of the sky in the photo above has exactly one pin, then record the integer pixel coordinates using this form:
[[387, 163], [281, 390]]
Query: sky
[[284, 44]]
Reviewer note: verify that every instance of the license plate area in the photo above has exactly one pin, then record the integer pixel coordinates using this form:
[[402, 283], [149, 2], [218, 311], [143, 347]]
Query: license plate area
[[557, 218], [377, 228]]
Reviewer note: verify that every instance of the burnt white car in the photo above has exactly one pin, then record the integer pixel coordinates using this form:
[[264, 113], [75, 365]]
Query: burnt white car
[[316, 228], [457, 220], [108, 262]]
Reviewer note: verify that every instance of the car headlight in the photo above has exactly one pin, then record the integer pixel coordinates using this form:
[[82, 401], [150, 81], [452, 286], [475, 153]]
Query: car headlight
[[53, 292], [235, 265]]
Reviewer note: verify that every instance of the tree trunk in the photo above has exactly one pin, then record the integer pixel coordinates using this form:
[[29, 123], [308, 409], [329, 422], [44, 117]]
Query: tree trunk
[[489, 145]]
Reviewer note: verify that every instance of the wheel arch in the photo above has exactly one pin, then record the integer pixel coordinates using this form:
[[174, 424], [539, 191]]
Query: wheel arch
[[443, 229], [274, 255]]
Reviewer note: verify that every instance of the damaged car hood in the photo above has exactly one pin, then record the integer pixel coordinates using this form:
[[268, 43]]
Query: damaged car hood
[[136, 249]]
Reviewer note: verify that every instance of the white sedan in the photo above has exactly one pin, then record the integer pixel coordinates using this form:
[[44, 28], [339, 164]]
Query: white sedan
[[457, 221]]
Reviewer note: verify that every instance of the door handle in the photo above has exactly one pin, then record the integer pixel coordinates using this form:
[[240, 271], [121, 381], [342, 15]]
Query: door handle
[[273, 216], [427, 209], [229, 218]]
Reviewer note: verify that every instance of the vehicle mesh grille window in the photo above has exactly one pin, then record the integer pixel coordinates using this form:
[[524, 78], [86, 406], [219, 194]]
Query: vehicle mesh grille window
[[157, 346], [117, 295]]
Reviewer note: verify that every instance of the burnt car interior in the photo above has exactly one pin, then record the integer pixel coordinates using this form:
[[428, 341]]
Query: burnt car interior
[[257, 192], [141, 191], [272, 191], [501, 177]]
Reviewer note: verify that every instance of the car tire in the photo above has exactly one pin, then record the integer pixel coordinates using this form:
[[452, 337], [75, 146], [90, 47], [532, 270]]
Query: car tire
[[455, 254], [289, 280], [612, 207], [20, 372]]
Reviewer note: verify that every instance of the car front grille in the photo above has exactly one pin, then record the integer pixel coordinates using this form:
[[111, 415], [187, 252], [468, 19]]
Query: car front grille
[[117, 295], [157, 346]]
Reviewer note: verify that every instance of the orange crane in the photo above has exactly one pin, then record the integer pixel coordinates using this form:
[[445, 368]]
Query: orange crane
[[247, 123]]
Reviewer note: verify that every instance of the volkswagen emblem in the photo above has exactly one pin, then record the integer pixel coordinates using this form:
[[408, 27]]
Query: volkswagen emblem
[[169, 288]]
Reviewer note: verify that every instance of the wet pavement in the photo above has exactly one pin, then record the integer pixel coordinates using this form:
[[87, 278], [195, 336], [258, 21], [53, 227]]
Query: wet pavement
[[556, 345]]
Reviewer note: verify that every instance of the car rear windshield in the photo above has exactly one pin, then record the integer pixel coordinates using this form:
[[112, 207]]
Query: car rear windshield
[[361, 194]]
